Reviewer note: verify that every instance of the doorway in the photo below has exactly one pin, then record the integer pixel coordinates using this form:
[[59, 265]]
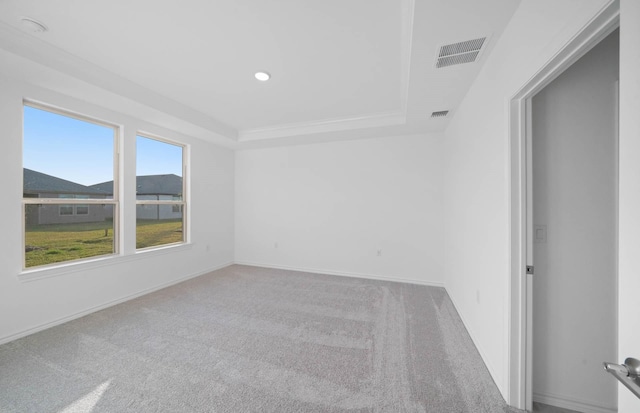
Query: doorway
[[572, 140], [521, 220]]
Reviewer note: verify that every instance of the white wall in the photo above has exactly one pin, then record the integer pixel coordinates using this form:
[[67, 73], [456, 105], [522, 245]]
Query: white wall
[[575, 197], [476, 199], [476, 152], [63, 293], [331, 206], [629, 238]]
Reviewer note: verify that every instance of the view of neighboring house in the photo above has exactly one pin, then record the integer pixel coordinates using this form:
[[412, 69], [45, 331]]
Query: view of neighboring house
[[154, 188], [149, 187], [40, 185]]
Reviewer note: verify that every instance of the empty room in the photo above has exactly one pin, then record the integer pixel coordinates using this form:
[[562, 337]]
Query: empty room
[[335, 206]]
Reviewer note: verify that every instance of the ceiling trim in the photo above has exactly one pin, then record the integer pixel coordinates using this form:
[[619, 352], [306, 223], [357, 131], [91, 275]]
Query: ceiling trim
[[39, 51], [408, 12], [323, 126], [392, 118]]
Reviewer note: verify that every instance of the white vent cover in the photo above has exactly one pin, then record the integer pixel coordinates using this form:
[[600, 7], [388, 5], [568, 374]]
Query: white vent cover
[[458, 53], [440, 114]]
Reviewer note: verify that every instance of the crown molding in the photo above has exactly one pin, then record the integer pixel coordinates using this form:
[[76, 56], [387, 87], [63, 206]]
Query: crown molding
[[36, 50], [46, 54], [323, 126], [393, 118], [408, 14]]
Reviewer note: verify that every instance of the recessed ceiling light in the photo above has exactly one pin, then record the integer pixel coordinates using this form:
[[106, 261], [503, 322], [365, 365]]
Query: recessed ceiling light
[[262, 76], [32, 25]]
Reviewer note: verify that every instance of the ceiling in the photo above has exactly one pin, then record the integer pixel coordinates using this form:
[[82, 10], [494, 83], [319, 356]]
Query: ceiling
[[340, 68]]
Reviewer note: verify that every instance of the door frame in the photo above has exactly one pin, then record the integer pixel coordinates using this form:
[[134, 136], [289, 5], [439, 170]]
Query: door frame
[[521, 234]]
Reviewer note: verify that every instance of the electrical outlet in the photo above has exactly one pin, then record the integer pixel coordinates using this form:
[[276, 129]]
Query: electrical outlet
[[379, 253], [208, 248], [275, 245]]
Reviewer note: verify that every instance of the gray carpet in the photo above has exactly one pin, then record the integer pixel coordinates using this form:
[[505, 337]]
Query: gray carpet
[[246, 339]]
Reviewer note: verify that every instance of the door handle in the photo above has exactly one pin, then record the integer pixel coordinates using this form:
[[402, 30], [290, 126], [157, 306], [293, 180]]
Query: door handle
[[627, 373]]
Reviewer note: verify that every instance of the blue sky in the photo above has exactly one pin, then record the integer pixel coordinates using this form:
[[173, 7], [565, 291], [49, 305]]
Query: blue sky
[[82, 152], [154, 157]]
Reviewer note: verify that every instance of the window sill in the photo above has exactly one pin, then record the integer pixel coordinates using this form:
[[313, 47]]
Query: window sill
[[104, 261]]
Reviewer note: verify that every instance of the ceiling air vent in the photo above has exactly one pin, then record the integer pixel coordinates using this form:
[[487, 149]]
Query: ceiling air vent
[[458, 53], [440, 114]]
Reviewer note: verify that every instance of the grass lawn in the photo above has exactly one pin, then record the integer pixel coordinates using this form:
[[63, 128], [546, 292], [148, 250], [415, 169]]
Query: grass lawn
[[150, 233], [48, 244]]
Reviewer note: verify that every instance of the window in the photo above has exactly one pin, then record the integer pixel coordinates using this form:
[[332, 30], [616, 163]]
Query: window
[[74, 209], [66, 209], [160, 194], [82, 209], [69, 202]]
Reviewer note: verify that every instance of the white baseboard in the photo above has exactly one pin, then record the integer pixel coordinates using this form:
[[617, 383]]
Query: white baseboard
[[483, 354], [571, 404], [342, 273], [88, 311]]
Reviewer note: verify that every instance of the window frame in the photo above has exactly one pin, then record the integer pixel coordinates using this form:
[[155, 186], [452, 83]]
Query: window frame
[[77, 207], [178, 208], [181, 204], [74, 208], [73, 201], [65, 210], [83, 206]]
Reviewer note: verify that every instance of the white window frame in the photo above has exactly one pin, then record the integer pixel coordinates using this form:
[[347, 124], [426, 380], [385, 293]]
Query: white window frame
[[115, 201], [178, 208], [182, 204], [77, 207], [65, 206]]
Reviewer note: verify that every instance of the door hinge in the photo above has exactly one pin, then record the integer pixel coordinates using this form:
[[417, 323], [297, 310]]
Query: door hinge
[[530, 269]]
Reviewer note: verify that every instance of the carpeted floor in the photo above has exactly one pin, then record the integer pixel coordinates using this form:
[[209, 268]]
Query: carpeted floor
[[247, 339]]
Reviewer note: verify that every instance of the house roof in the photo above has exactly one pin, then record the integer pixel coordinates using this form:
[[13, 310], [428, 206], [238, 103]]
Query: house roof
[[38, 182], [159, 184], [169, 184]]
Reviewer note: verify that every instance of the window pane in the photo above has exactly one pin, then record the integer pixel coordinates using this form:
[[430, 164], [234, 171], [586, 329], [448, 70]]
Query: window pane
[[66, 210], [82, 209], [51, 237], [159, 178], [158, 225], [158, 170], [66, 156]]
